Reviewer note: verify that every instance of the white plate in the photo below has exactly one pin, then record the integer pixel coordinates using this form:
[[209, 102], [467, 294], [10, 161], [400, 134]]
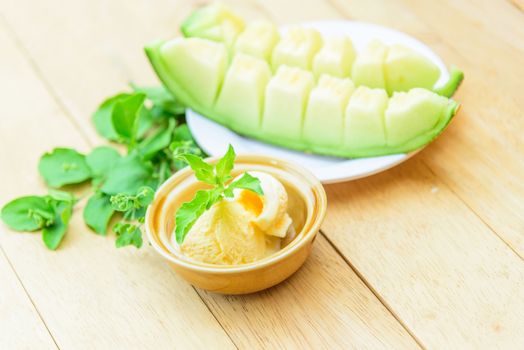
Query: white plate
[[214, 138]]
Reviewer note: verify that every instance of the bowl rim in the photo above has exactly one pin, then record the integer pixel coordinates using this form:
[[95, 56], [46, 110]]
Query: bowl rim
[[319, 206]]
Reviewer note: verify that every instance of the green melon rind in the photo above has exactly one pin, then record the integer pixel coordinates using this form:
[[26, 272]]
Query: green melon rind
[[153, 53], [456, 76]]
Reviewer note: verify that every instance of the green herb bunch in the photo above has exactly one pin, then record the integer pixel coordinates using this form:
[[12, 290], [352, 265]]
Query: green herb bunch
[[150, 124]]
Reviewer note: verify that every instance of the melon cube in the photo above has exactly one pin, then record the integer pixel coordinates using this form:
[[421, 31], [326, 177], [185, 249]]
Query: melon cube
[[368, 68], [286, 99], [324, 121], [410, 114], [297, 48], [365, 119], [405, 69], [242, 97], [214, 22], [335, 57], [258, 39], [197, 65]]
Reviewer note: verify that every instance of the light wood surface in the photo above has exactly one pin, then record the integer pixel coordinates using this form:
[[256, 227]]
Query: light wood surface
[[426, 255]]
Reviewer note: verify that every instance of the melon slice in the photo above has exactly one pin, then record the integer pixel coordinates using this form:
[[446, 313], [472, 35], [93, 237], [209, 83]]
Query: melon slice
[[335, 57], [368, 68], [196, 64], [324, 121], [214, 22], [241, 99], [286, 99], [297, 48], [259, 39], [412, 113], [405, 69], [365, 119]]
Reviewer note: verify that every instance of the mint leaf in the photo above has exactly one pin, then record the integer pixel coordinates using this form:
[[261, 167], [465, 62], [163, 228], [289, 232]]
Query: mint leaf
[[188, 213], [246, 182], [61, 196], [53, 235], [127, 234], [102, 117], [182, 133], [100, 161], [161, 99], [145, 196], [29, 213], [63, 166], [128, 175], [225, 165], [149, 147], [203, 171], [97, 213], [125, 116]]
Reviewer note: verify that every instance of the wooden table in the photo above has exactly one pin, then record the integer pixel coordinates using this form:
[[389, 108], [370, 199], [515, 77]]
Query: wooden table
[[426, 255]]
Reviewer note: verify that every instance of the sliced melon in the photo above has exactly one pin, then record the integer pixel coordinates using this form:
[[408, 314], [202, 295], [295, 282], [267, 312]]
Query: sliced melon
[[365, 119], [214, 22], [324, 121], [405, 69], [197, 64], [286, 100], [368, 68], [193, 70], [335, 57], [259, 39], [297, 48], [412, 113], [241, 99]]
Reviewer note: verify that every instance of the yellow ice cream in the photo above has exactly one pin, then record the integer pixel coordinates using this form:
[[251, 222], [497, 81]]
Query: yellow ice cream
[[243, 229]]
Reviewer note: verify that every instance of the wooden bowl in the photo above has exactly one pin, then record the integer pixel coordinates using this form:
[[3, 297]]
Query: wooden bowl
[[245, 278]]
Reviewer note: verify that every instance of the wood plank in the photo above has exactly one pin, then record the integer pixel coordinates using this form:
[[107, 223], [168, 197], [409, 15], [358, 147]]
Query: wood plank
[[22, 327], [440, 269], [90, 294], [325, 305], [381, 327]]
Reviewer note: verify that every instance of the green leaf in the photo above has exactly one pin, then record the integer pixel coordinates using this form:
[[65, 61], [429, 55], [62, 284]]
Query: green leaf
[[125, 116], [156, 142], [246, 182], [100, 161], [128, 175], [28, 213], [53, 235], [145, 196], [225, 165], [97, 213], [182, 133], [63, 166], [102, 117], [160, 97], [127, 234], [188, 213], [203, 171], [61, 196]]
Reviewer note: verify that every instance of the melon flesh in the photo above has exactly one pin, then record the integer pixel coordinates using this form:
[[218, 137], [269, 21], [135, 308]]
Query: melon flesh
[[368, 68], [286, 99], [365, 119], [324, 121], [241, 99], [412, 113], [405, 69], [259, 39], [214, 22], [196, 64], [297, 48], [335, 57]]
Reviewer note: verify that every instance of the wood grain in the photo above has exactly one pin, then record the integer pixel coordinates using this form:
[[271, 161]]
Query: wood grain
[[356, 312], [22, 327], [90, 294], [439, 239]]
